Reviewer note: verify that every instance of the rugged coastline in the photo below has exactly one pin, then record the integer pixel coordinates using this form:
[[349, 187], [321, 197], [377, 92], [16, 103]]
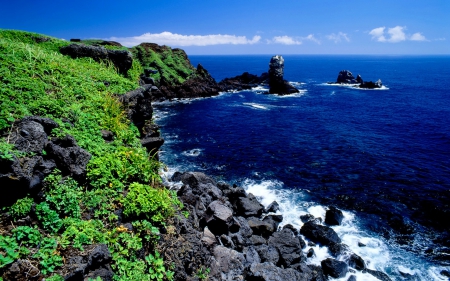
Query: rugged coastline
[[220, 233]]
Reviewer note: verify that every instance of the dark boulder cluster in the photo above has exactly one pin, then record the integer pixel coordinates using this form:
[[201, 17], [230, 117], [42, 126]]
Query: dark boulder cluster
[[122, 59], [37, 156], [346, 77], [230, 232]]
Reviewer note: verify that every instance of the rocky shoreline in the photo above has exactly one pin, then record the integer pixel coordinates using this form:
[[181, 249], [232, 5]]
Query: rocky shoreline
[[231, 233]]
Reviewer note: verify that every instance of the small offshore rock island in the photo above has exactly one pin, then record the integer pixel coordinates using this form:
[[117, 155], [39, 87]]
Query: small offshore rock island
[[82, 195]]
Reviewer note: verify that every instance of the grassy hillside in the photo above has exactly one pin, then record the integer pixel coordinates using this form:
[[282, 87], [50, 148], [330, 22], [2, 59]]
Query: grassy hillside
[[172, 65], [35, 79]]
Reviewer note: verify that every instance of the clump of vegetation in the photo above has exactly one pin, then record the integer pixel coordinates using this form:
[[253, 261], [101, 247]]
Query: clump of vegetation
[[80, 95], [172, 65]]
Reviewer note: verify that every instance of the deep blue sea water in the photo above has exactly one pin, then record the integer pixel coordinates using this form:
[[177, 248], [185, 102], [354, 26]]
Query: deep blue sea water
[[383, 156]]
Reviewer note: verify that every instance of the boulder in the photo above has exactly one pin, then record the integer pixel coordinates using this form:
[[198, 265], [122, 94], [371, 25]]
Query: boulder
[[69, 157], [30, 134], [208, 237], [269, 272], [288, 245], [251, 255], [258, 240], [319, 233], [356, 262], [227, 264], [249, 206], [352, 278], [310, 253], [194, 179], [152, 144], [292, 228], [334, 268], [371, 85], [337, 249], [317, 273], [240, 225], [260, 227], [268, 253], [122, 59], [306, 218], [333, 216], [273, 207], [218, 216]]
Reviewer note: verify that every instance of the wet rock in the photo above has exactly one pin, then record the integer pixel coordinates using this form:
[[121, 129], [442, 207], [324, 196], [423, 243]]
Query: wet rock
[[274, 220], [352, 278], [445, 273], [306, 218], [317, 273], [378, 274], [227, 265], [361, 244], [245, 81], [334, 268], [289, 247], [291, 227], [273, 207], [249, 206], [356, 262], [310, 253], [320, 233], [334, 216], [69, 157], [260, 227], [337, 249], [218, 216], [122, 59]]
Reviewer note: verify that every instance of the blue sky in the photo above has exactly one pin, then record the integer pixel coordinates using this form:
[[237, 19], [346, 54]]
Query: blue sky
[[246, 27]]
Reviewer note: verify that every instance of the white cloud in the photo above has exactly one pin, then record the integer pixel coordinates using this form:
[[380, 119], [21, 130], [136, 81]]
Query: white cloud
[[378, 34], [174, 39], [311, 38], [394, 35], [338, 37], [397, 34], [417, 37], [285, 40]]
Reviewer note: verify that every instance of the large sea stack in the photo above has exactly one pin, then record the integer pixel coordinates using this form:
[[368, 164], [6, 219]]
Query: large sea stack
[[277, 85]]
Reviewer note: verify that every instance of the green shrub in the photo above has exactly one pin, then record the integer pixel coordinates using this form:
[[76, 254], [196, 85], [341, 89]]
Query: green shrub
[[63, 195], [21, 208], [81, 232], [49, 218], [155, 204]]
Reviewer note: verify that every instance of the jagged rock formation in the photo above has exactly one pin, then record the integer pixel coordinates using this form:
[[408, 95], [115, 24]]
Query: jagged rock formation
[[346, 77], [277, 85], [122, 59]]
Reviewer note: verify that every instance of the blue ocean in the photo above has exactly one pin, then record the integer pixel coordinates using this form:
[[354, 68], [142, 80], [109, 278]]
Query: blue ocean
[[382, 156]]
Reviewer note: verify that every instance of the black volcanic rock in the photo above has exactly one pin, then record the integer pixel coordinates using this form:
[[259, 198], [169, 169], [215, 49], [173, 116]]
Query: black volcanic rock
[[334, 268], [277, 85], [320, 233], [122, 59], [333, 216], [346, 77]]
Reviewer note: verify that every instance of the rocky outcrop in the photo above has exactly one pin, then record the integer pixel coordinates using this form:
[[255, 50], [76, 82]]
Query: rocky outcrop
[[122, 59], [333, 216], [246, 81], [201, 85], [231, 233], [277, 85], [38, 157], [346, 77]]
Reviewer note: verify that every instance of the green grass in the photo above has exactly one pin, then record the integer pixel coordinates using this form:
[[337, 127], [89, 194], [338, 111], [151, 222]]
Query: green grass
[[173, 65], [35, 79]]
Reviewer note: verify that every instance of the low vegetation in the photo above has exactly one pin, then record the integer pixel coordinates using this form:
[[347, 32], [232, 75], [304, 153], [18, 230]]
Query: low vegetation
[[79, 94]]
